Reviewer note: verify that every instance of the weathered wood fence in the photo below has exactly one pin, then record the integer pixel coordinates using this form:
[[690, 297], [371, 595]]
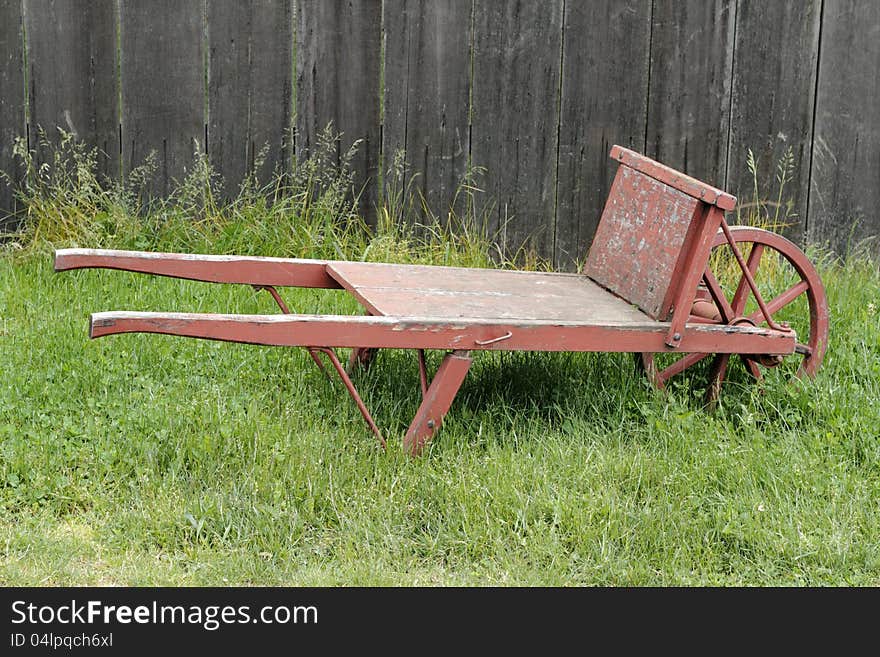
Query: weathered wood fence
[[535, 91]]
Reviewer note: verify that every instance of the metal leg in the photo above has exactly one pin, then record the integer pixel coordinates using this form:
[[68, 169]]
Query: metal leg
[[320, 365], [364, 356], [437, 401], [350, 387]]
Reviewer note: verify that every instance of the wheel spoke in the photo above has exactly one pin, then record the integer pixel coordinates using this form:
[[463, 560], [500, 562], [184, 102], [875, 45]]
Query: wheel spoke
[[680, 366], [782, 300], [716, 378], [752, 367]]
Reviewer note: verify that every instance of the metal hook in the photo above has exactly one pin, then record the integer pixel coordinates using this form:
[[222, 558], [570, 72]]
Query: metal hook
[[483, 343]]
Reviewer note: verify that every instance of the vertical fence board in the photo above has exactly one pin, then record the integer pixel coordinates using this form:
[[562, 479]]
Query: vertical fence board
[[773, 111], [689, 97], [517, 56], [163, 86], [845, 184], [604, 102], [427, 94], [338, 46], [12, 106], [249, 87], [72, 75]]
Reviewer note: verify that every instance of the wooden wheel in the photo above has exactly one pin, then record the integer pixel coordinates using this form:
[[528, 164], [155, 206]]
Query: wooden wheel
[[791, 289]]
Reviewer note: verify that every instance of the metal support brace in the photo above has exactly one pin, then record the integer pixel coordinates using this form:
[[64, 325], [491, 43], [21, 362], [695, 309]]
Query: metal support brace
[[334, 360], [350, 387]]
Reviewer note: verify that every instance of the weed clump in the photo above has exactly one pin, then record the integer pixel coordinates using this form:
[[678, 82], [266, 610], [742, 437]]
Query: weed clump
[[309, 210]]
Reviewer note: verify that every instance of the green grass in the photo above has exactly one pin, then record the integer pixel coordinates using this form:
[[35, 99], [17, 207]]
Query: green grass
[[154, 460], [151, 460]]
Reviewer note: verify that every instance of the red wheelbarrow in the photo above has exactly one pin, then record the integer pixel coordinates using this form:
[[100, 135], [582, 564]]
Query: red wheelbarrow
[[656, 283]]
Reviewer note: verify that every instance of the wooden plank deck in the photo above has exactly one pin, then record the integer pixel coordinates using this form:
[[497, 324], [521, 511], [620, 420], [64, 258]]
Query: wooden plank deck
[[455, 292]]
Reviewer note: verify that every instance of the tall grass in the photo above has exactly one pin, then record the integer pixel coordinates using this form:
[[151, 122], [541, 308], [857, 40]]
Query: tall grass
[[309, 211], [768, 208]]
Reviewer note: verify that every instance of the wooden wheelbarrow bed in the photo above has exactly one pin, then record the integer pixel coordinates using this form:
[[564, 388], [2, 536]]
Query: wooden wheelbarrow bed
[[646, 288]]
